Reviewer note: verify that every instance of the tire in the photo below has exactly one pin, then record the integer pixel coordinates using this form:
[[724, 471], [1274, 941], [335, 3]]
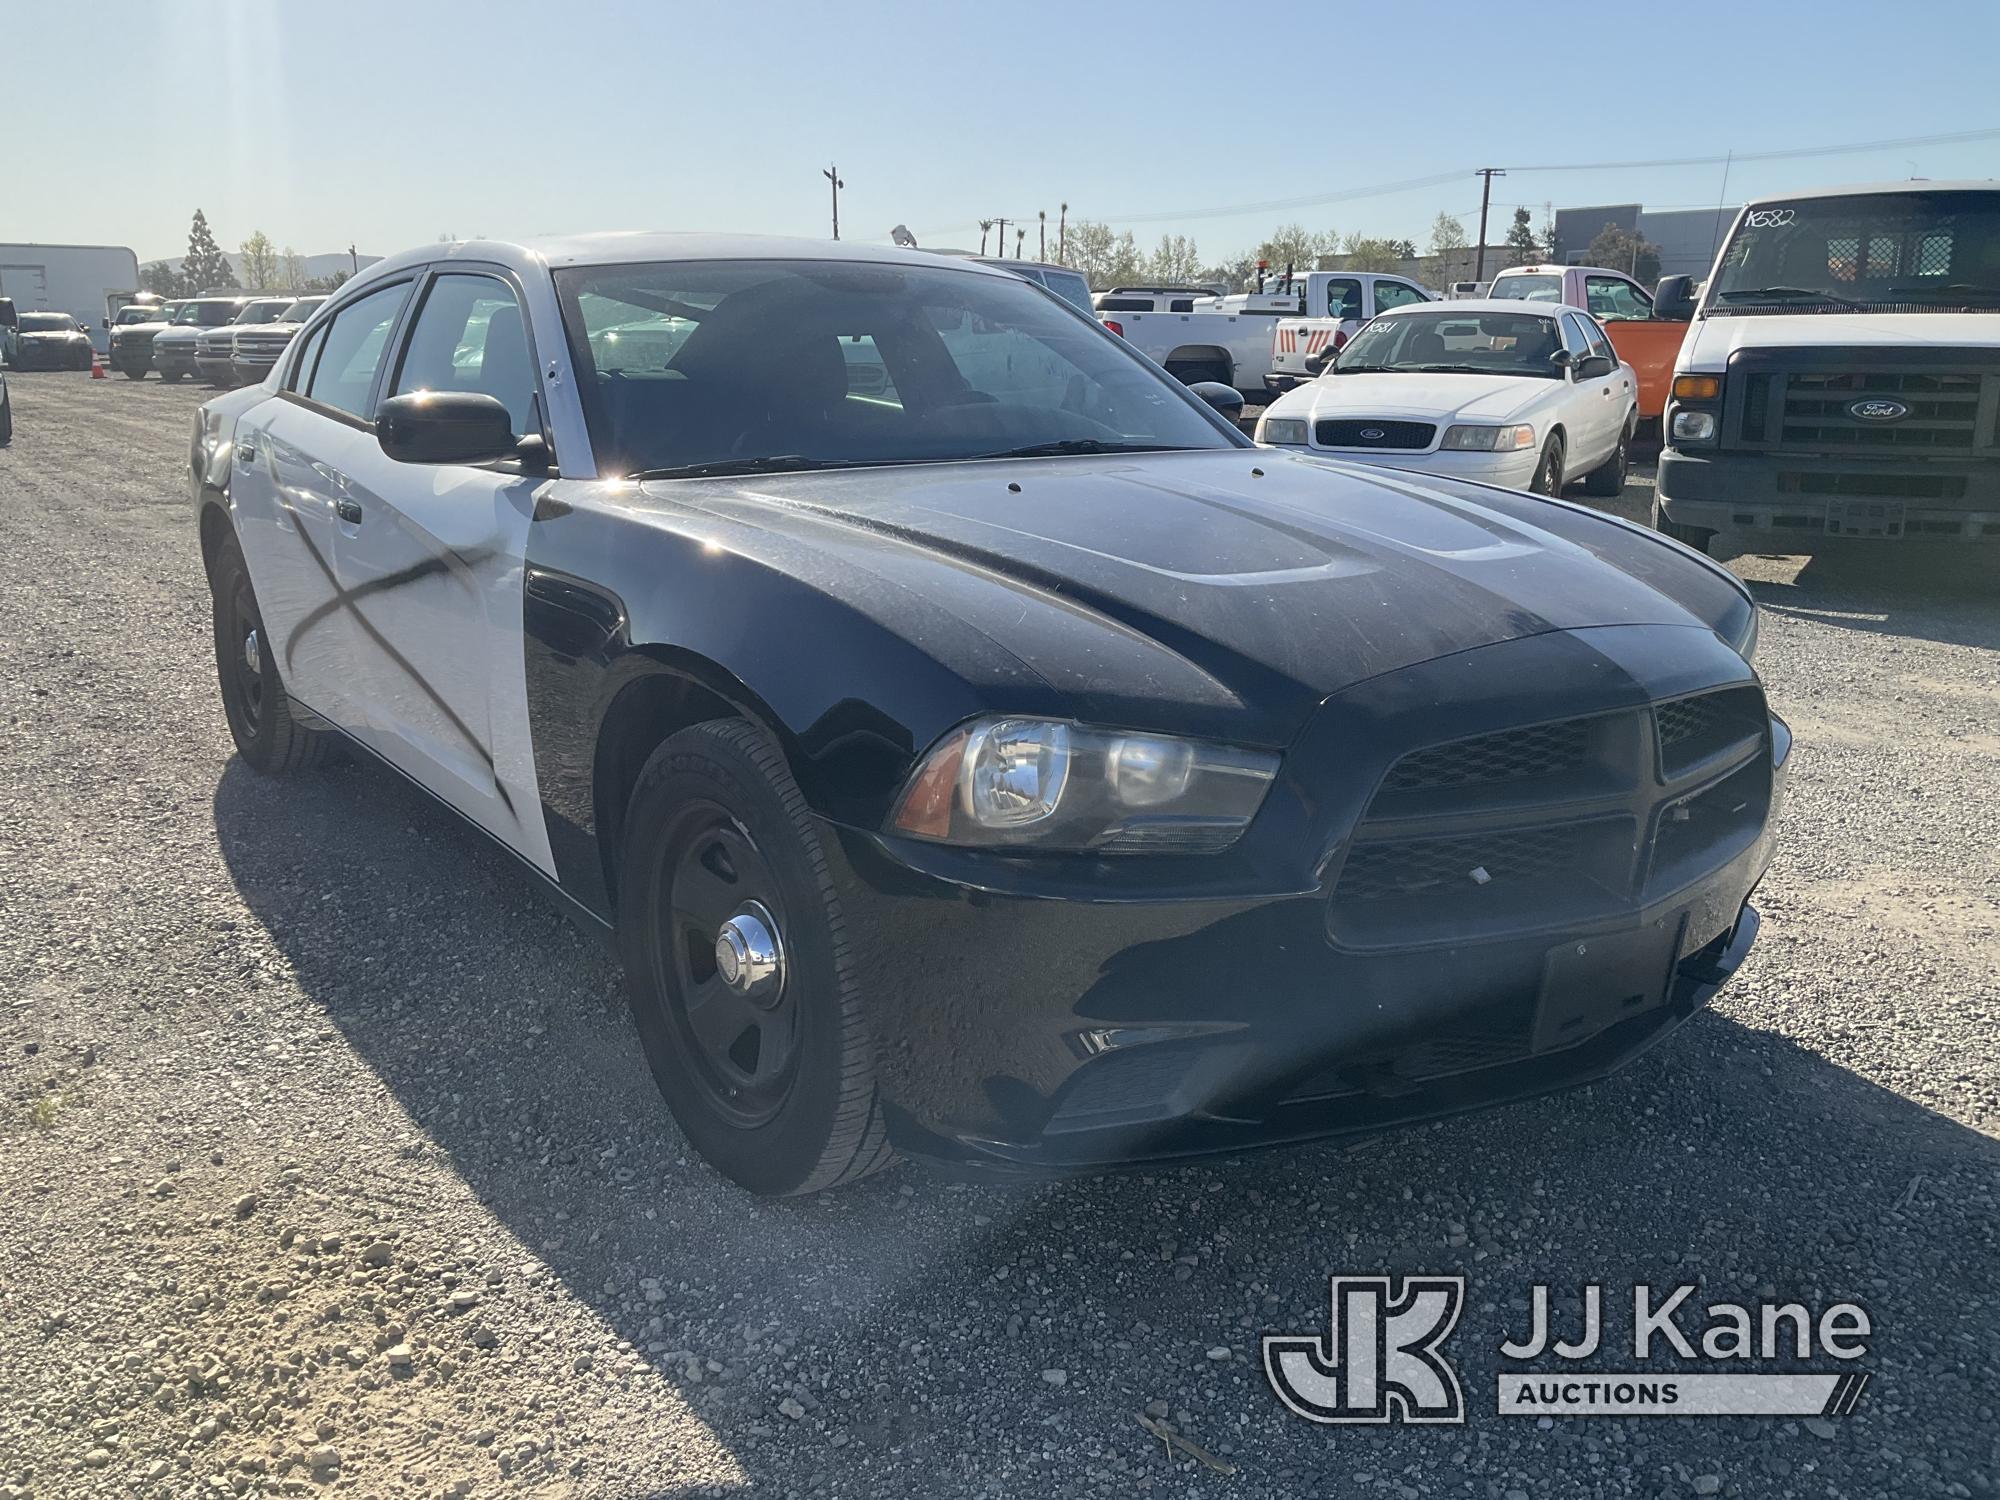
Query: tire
[[130, 373], [715, 824], [6, 421], [169, 376], [260, 718], [1607, 480], [1698, 537], [1196, 373], [1549, 477]]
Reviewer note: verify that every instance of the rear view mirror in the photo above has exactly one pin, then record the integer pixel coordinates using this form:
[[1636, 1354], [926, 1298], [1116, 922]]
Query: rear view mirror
[[445, 427], [1673, 299], [1224, 398]]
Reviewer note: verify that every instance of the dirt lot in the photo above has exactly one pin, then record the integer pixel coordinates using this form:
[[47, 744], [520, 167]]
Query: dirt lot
[[328, 1160]]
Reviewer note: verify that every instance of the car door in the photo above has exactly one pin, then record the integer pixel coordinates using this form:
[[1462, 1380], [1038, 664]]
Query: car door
[[1593, 414], [431, 556], [291, 481], [1623, 382]]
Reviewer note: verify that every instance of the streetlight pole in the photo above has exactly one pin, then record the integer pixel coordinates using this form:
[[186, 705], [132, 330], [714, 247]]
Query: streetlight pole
[[832, 175], [1000, 244]]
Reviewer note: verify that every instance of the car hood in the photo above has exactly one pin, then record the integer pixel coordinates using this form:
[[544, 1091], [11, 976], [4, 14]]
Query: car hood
[[1430, 398], [286, 328], [1237, 588], [1718, 336], [53, 336], [177, 331]]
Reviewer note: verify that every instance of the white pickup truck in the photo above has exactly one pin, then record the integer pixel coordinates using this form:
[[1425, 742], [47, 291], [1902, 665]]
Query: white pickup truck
[[1337, 304]]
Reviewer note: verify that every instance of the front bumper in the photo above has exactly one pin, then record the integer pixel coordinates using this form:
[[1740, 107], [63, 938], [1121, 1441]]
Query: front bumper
[[1509, 470], [1078, 1015], [214, 367], [1799, 499], [37, 356], [178, 359]]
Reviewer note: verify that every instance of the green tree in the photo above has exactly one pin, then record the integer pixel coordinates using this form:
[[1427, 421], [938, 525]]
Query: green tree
[[1523, 249], [1234, 273], [291, 270], [1176, 262], [1295, 246], [205, 266], [1624, 250], [160, 276], [1369, 253], [257, 258], [1446, 234], [1105, 257]]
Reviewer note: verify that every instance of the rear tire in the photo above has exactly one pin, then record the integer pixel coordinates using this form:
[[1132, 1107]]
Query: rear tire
[[1193, 374], [6, 420], [776, 1089], [1607, 480], [131, 374], [254, 701], [1698, 537], [1549, 477]]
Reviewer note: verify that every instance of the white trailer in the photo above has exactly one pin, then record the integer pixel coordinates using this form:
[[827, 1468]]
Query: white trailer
[[89, 282]]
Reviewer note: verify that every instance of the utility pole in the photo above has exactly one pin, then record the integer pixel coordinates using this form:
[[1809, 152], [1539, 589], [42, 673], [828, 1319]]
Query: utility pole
[[1485, 198], [1062, 225], [353, 260], [1042, 247], [1000, 244], [832, 175]]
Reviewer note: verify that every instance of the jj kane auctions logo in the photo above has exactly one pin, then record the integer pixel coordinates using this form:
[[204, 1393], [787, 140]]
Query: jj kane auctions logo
[[1383, 1358]]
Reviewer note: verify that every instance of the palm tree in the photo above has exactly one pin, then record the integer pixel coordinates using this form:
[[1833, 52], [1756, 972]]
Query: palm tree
[[1062, 237], [985, 228], [1019, 235], [1042, 249]]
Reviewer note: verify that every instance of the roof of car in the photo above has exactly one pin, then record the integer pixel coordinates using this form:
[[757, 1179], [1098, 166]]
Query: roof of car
[[1480, 305], [626, 248], [1907, 185]]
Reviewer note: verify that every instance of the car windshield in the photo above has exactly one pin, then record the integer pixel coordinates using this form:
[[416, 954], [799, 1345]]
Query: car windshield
[[1528, 289], [47, 323], [800, 364], [1486, 343], [300, 310], [265, 311], [137, 315], [1865, 249]]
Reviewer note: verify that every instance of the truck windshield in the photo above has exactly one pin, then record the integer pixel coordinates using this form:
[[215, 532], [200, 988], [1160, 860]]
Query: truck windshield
[[1455, 343], [742, 366], [1869, 250], [47, 323]]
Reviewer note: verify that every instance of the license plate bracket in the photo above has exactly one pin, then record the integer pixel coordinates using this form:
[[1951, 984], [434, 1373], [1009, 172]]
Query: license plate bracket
[[1591, 983], [1874, 518]]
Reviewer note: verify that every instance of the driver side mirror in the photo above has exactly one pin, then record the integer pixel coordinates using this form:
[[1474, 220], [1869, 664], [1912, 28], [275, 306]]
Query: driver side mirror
[[1226, 399], [1673, 299], [445, 427], [1592, 367]]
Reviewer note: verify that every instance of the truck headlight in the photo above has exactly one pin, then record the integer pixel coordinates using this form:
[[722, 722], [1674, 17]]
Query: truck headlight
[[1049, 784], [1282, 431], [1693, 426], [1488, 439]]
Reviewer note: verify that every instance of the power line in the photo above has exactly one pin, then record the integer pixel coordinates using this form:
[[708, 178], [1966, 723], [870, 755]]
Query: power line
[[1412, 184]]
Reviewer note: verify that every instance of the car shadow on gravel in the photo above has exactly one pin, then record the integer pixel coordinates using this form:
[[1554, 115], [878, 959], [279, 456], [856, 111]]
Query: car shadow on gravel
[[1953, 601], [940, 1337]]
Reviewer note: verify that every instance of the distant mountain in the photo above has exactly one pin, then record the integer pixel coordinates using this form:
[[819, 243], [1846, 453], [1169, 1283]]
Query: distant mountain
[[316, 265]]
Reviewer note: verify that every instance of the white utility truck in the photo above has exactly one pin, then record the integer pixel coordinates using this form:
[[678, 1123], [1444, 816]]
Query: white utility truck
[[1338, 303], [1840, 381]]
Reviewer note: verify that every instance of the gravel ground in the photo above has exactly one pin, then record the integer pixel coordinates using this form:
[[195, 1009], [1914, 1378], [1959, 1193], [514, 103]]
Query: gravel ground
[[328, 1160]]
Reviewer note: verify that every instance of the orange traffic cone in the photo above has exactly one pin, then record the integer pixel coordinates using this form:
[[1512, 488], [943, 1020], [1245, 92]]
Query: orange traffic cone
[[97, 366]]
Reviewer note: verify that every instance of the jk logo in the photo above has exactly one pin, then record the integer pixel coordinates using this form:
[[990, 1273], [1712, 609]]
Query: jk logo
[[1379, 1361]]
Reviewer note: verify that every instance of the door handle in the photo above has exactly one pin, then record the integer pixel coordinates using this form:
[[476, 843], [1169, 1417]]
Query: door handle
[[348, 510]]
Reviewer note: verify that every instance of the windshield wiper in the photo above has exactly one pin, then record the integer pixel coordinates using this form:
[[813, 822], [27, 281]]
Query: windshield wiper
[[1782, 293], [771, 463], [1460, 370], [1361, 369], [1068, 446], [1949, 289]]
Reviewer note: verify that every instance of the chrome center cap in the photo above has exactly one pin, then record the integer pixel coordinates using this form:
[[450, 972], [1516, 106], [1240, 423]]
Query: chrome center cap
[[253, 654], [748, 955]]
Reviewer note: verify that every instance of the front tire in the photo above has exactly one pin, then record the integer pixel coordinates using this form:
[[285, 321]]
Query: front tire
[[1607, 480], [131, 372], [253, 696], [6, 420], [771, 1077], [1698, 537], [1549, 478]]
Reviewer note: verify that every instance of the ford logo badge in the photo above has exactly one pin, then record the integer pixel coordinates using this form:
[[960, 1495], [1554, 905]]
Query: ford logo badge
[[1372, 434], [1878, 411]]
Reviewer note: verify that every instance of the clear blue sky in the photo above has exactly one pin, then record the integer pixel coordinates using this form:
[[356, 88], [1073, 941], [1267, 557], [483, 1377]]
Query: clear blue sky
[[390, 124]]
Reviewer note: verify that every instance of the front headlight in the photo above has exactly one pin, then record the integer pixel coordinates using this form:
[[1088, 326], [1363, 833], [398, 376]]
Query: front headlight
[[1048, 784], [1693, 426], [1284, 431], [1488, 439]]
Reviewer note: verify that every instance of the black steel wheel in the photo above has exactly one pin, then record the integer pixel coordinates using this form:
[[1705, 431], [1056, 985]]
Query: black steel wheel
[[1549, 478], [738, 969], [254, 700]]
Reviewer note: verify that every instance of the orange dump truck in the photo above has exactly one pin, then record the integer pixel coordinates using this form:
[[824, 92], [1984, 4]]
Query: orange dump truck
[[1646, 343]]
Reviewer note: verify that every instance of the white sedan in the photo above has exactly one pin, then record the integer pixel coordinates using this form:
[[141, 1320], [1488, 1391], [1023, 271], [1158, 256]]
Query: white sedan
[[1530, 396]]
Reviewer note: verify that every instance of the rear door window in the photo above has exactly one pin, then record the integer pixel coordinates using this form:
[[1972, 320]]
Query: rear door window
[[344, 378]]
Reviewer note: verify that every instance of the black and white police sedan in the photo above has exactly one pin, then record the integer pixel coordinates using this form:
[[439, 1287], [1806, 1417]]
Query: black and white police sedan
[[973, 744], [1531, 396]]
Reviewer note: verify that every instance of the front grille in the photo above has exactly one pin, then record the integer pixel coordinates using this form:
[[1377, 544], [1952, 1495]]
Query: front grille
[[1511, 755], [1346, 432], [1930, 413], [1551, 824], [1869, 482]]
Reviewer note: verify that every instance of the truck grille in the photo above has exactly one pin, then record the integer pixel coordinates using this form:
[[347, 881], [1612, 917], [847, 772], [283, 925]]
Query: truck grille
[[1918, 413], [1554, 823], [1349, 432]]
